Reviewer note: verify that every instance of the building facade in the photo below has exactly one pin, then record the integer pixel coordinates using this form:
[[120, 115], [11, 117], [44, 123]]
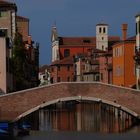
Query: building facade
[[8, 18], [23, 27], [75, 47], [102, 37], [124, 72], [62, 70], [6, 76]]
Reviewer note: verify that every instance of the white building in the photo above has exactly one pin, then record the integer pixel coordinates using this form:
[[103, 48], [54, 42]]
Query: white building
[[44, 75], [102, 37], [138, 50]]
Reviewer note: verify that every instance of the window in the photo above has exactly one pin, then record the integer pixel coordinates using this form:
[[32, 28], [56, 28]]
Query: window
[[3, 32], [68, 78], [86, 41], [100, 30], [101, 76], [104, 30], [68, 68], [58, 79], [97, 77], [102, 47], [119, 71], [3, 13], [58, 68], [66, 53], [102, 38]]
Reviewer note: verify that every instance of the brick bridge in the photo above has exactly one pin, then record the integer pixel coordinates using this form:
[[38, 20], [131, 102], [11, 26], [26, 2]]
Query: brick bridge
[[16, 105]]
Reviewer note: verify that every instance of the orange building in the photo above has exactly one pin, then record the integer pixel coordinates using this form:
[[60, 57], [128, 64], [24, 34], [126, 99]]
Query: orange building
[[123, 61]]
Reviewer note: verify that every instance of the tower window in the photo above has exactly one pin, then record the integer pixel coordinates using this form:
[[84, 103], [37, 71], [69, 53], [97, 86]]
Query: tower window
[[66, 53], [102, 38], [102, 47], [104, 30], [100, 30]]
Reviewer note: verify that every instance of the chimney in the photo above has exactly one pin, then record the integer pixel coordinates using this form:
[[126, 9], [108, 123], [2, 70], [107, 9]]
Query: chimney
[[29, 40], [124, 31]]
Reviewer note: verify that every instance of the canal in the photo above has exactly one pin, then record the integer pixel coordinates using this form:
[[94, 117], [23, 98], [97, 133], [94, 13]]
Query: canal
[[81, 120]]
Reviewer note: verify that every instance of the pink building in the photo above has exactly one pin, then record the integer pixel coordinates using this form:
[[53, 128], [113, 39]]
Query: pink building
[[6, 78], [105, 61]]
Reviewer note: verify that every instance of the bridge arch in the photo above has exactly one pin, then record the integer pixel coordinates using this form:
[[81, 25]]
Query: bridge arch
[[77, 98], [16, 105]]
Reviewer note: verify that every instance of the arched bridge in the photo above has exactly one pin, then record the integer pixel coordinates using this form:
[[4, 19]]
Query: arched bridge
[[19, 104]]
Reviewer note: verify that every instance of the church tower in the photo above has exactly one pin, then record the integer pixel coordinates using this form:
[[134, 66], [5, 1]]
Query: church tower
[[55, 44], [102, 37]]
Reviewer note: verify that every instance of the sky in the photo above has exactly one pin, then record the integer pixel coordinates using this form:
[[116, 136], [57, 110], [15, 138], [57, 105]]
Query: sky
[[75, 18]]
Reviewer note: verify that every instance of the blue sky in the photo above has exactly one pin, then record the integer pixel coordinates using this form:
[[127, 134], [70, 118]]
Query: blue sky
[[75, 18]]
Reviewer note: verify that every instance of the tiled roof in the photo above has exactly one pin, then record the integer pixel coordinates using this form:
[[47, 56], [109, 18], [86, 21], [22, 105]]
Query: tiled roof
[[77, 40], [6, 4], [20, 18], [65, 61], [133, 38], [101, 24], [128, 40], [82, 41]]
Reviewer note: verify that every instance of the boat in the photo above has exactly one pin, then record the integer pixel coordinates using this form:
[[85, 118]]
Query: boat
[[4, 129], [24, 129]]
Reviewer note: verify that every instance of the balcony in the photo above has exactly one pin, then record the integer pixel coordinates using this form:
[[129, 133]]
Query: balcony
[[92, 70]]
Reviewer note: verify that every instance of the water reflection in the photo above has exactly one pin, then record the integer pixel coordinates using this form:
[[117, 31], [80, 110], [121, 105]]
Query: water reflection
[[84, 116]]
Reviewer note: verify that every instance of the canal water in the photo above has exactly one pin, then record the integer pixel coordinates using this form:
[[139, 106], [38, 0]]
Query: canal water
[[78, 120]]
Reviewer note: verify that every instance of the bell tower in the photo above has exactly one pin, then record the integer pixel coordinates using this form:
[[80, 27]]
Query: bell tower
[[102, 37], [55, 44]]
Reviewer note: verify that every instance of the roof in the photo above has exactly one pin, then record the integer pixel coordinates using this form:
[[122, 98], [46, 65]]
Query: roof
[[98, 51], [83, 41], [65, 61], [20, 18], [7, 5], [43, 68], [128, 40], [133, 38], [101, 24], [77, 41]]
